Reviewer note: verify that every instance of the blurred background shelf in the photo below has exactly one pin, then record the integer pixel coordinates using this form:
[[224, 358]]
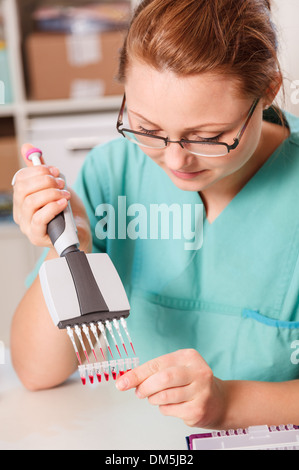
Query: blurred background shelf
[[65, 128]]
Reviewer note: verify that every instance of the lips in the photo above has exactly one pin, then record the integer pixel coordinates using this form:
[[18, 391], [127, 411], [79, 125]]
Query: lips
[[187, 175]]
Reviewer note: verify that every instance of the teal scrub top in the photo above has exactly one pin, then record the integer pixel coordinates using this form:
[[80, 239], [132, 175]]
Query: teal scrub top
[[235, 299]]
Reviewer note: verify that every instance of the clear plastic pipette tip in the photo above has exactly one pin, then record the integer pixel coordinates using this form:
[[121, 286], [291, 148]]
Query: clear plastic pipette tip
[[71, 336], [95, 333], [102, 330], [78, 333], [116, 326], [124, 325], [109, 328], [86, 332]]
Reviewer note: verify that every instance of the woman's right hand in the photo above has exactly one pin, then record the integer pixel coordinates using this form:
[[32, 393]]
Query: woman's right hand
[[39, 195]]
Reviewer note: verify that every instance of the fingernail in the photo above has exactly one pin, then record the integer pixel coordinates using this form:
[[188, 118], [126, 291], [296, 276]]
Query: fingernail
[[54, 171], [122, 384], [66, 193], [62, 202], [138, 394], [60, 183]]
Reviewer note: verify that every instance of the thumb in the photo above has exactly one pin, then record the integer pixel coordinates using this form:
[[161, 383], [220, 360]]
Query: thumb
[[24, 150]]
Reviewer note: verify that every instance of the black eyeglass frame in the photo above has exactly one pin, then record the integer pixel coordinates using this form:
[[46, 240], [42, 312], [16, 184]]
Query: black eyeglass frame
[[181, 142]]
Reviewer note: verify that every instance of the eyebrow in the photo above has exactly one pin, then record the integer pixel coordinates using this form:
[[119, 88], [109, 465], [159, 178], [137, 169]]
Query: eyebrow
[[187, 128]]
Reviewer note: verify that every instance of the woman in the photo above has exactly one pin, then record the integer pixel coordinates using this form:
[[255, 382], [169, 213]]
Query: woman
[[215, 326]]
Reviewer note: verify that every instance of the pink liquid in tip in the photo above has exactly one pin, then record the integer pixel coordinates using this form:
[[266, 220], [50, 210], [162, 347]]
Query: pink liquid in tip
[[124, 346], [109, 349], [102, 352], [79, 359], [86, 355], [118, 350], [133, 348], [95, 356]]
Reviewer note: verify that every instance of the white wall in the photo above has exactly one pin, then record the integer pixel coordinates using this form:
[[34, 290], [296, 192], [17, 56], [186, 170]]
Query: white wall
[[286, 18]]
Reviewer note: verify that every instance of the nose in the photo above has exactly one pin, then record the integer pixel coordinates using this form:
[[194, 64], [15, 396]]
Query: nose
[[176, 158]]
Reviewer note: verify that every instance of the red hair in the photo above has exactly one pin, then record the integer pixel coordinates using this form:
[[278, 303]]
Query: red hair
[[187, 37]]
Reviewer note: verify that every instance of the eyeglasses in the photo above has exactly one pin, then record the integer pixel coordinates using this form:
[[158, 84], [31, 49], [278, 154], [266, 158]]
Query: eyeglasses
[[203, 148]]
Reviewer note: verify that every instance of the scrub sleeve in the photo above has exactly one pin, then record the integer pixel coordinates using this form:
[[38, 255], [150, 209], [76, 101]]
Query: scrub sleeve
[[235, 299]]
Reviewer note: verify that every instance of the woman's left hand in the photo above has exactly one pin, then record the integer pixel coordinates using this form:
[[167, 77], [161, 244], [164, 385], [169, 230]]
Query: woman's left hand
[[182, 385]]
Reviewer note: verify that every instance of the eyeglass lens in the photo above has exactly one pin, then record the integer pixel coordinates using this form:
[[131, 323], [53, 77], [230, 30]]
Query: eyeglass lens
[[197, 148]]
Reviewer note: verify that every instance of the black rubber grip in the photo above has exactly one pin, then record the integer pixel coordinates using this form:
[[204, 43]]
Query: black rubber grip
[[89, 295], [56, 227]]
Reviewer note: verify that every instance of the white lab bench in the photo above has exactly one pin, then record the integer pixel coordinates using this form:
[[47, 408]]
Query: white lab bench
[[74, 417]]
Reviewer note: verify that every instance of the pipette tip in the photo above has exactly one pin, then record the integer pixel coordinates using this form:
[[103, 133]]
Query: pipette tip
[[124, 346], [79, 359], [86, 355], [133, 348], [109, 349], [95, 356], [118, 350], [103, 355]]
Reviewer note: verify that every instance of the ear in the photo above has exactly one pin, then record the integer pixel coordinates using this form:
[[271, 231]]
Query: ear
[[272, 90]]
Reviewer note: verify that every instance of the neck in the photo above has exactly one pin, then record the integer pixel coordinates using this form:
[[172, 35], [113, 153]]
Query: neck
[[217, 196]]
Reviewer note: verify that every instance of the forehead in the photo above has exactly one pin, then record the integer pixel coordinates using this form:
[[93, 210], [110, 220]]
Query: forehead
[[162, 96]]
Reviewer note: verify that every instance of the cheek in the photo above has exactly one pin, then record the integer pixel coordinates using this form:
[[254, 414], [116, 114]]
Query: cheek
[[243, 153], [239, 157]]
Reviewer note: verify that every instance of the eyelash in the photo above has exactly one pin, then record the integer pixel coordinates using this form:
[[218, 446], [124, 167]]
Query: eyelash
[[153, 132], [146, 131], [212, 139]]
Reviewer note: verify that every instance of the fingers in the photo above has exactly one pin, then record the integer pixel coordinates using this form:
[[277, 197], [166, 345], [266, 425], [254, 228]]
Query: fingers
[[39, 195], [135, 377], [184, 357], [35, 187], [26, 174], [158, 386], [180, 384], [37, 229]]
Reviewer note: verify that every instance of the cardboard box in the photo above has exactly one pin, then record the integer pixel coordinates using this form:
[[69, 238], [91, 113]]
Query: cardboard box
[[64, 66], [9, 163]]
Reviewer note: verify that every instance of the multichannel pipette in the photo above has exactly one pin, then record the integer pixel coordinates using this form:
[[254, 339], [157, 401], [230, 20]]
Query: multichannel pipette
[[84, 293]]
